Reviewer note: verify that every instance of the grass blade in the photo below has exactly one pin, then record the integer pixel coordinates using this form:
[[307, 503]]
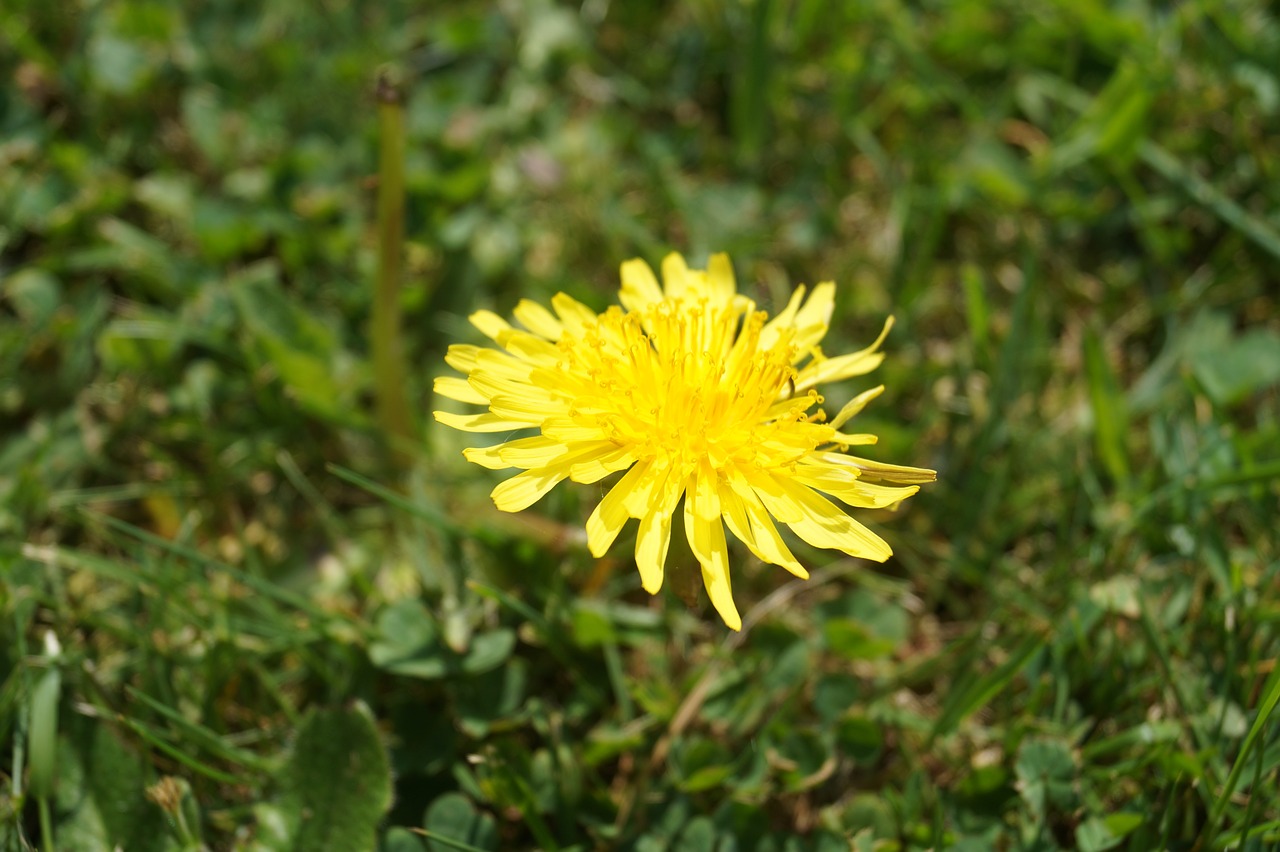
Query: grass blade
[[979, 692], [1267, 706]]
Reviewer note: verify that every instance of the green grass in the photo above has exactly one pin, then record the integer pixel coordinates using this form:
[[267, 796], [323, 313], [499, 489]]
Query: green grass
[[236, 612]]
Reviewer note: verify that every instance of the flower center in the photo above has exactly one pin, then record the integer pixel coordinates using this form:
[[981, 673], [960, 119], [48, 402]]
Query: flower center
[[689, 383]]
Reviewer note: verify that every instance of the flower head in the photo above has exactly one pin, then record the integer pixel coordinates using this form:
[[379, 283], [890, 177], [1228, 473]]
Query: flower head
[[695, 394]]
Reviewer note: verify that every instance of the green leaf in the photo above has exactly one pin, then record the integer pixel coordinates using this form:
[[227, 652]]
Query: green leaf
[[225, 230], [400, 840], [698, 835], [834, 694], [303, 350], [1115, 124], [1046, 772], [591, 625], [1258, 229], [882, 615], [702, 764], [789, 668], [1118, 595], [804, 752], [204, 119], [34, 294], [489, 697], [42, 737], [606, 741], [988, 166], [488, 651], [979, 691], [1144, 735], [861, 738], [1125, 127], [853, 641], [977, 312], [102, 801], [452, 822], [1096, 834], [1240, 367], [1110, 417], [869, 811], [118, 65], [1228, 366], [139, 343], [337, 782], [409, 643], [706, 778], [1266, 706]]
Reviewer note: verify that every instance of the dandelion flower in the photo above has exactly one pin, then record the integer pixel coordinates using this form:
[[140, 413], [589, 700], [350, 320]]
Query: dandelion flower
[[695, 394]]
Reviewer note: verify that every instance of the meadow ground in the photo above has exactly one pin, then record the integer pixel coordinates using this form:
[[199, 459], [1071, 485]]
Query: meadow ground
[[243, 605]]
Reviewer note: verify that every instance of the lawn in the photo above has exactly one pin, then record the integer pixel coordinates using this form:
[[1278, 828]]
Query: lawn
[[253, 597]]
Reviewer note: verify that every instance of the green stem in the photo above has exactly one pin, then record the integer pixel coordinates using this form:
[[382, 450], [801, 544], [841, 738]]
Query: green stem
[[24, 711], [46, 824], [388, 353]]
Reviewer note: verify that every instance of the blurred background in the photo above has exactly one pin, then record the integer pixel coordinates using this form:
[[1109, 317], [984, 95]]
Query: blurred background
[[235, 613]]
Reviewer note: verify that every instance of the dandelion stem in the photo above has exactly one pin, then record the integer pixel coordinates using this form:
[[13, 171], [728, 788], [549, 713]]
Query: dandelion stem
[[388, 353]]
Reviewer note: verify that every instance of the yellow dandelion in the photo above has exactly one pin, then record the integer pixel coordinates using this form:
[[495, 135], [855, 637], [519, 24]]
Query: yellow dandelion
[[695, 394]]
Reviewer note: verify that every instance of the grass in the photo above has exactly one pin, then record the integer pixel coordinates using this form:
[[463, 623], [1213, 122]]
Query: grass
[[237, 612]]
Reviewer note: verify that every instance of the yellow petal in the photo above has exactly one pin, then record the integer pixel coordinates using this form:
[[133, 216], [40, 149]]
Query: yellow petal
[[844, 366], [826, 370], [874, 496], [489, 385], [569, 431], [652, 542], [462, 357], [860, 439], [489, 323], [656, 488], [772, 548], [785, 319], [575, 315], [530, 348], [748, 520], [610, 514], [817, 311], [530, 405], [848, 487], [854, 406], [675, 276], [538, 319], [454, 387], [524, 489], [501, 365], [825, 525], [735, 518], [706, 539], [767, 489], [535, 451], [716, 578], [720, 278], [512, 453], [707, 490], [654, 504], [639, 286], [600, 462], [885, 472], [486, 422]]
